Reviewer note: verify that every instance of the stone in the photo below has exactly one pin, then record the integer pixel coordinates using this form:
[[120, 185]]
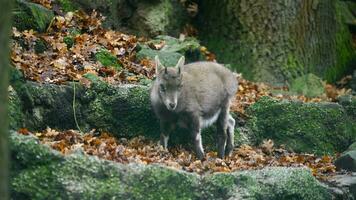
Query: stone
[[29, 15], [172, 50], [347, 160], [319, 128], [308, 85]]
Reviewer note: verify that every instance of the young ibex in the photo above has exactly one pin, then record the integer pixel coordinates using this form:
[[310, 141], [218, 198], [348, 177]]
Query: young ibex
[[194, 96]]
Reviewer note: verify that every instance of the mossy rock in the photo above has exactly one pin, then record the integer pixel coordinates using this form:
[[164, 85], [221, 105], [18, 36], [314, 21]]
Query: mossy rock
[[116, 12], [152, 18], [29, 15], [347, 160], [42, 173], [309, 85], [322, 128], [142, 18], [167, 58], [124, 111], [172, 50], [269, 183]]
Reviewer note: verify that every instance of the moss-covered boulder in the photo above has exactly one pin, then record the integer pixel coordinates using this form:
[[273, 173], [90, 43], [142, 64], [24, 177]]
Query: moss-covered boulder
[[29, 15], [41, 173], [268, 183], [309, 85], [172, 50], [48, 105], [152, 18], [124, 111], [304, 127], [143, 18]]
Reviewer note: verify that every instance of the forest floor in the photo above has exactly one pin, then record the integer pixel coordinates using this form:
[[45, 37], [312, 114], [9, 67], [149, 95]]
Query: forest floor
[[144, 151], [68, 51]]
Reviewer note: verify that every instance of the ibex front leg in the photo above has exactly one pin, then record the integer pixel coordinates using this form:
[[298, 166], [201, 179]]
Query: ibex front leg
[[230, 136], [166, 129], [196, 132]]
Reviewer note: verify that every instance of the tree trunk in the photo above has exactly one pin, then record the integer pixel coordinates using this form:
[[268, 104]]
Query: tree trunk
[[4, 64], [276, 41]]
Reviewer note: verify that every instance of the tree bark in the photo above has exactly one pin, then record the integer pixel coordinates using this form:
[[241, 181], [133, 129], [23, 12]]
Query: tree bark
[[5, 16], [276, 41]]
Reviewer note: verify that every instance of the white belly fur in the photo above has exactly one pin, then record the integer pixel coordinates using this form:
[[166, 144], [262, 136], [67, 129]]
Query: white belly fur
[[205, 122]]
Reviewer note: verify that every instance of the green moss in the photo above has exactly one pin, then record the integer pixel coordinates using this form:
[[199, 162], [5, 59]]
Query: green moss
[[167, 184], [16, 117], [304, 127], [293, 68], [219, 186], [124, 111], [345, 52], [309, 85], [69, 41], [40, 46], [158, 17], [68, 5], [268, 183], [29, 152], [107, 59], [31, 16]]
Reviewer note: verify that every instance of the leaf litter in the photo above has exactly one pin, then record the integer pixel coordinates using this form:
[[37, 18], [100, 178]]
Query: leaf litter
[[144, 151]]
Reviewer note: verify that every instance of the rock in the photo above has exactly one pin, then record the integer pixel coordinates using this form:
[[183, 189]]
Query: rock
[[172, 50], [116, 12], [347, 160], [308, 85], [16, 117], [152, 18], [124, 111], [304, 127], [29, 15], [143, 18], [353, 83], [39, 172], [343, 186]]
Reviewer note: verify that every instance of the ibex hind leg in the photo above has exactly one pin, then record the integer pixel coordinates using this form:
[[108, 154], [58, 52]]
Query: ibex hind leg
[[222, 126], [230, 136]]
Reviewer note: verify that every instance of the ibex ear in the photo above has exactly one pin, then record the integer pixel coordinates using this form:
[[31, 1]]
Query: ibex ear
[[158, 64], [180, 64]]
